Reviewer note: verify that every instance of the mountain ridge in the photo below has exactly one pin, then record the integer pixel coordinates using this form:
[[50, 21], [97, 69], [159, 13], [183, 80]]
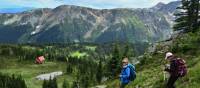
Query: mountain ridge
[[81, 24]]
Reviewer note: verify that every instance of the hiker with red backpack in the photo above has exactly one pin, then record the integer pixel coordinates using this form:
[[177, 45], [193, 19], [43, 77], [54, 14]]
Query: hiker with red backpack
[[177, 69], [127, 74]]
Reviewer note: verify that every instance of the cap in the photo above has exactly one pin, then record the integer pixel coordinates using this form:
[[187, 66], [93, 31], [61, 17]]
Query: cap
[[168, 54]]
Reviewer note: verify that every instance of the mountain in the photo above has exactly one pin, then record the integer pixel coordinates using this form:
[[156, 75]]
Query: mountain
[[15, 10], [68, 23], [167, 10]]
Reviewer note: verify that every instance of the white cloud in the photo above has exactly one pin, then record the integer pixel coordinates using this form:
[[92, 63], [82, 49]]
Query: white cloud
[[87, 3], [119, 3], [36, 3]]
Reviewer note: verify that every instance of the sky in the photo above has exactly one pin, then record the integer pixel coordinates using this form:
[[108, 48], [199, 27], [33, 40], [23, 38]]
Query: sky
[[98, 4]]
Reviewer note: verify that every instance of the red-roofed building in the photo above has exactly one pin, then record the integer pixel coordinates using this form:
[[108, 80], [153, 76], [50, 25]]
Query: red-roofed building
[[40, 60]]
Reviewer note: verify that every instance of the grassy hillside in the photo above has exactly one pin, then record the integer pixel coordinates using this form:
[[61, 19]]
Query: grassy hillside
[[28, 70], [150, 72]]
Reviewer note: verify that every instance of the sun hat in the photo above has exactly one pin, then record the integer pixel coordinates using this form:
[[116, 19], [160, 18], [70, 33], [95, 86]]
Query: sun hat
[[168, 54]]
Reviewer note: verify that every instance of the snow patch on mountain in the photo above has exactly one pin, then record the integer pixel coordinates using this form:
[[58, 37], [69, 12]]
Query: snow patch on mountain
[[37, 30]]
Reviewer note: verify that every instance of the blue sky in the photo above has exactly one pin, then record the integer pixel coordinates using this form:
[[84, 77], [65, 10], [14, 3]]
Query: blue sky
[[98, 4]]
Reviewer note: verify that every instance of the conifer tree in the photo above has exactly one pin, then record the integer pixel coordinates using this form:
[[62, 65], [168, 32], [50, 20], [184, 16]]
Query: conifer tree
[[44, 85], [51, 83], [11, 81], [187, 16], [65, 84], [114, 63], [128, 51], [99, 72]]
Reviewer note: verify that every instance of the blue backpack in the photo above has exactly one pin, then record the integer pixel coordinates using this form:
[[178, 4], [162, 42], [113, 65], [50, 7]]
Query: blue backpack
[[132, 72]]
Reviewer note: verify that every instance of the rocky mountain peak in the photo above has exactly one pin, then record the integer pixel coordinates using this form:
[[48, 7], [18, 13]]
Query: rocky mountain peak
[[159, 5]]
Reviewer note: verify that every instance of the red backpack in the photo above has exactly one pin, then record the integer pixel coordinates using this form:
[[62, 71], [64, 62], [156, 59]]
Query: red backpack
[[182, 68]]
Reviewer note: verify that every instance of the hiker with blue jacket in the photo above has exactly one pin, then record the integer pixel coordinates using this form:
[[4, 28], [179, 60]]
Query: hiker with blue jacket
[[176, 69], [127, 73]]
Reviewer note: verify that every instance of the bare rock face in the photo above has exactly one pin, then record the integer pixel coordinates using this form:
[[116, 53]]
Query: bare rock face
[[49, 75]]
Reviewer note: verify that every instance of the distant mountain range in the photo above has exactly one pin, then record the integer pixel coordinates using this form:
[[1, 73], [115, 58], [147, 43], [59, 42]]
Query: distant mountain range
[[69, 23], [15, 10]]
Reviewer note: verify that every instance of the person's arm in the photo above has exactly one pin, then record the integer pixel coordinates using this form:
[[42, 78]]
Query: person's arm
[[167, 67], [127, 73]]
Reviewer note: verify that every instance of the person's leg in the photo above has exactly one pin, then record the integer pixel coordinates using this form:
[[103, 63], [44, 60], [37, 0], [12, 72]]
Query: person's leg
[[123, 85], [171, 81]]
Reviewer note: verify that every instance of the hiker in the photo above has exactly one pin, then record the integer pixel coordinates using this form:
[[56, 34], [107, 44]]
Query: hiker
[[177, 69], [127, 74]]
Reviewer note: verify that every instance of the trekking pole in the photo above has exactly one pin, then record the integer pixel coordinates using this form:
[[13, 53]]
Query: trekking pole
[[164, 75], [119, 84], [163, 72]]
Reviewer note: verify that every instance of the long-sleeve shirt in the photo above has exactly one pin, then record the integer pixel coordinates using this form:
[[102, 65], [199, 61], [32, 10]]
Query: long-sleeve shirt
[[125, 75], [173, 68]]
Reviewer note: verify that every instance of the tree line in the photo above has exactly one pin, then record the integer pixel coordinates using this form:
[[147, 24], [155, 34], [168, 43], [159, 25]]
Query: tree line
[[13, 81]]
